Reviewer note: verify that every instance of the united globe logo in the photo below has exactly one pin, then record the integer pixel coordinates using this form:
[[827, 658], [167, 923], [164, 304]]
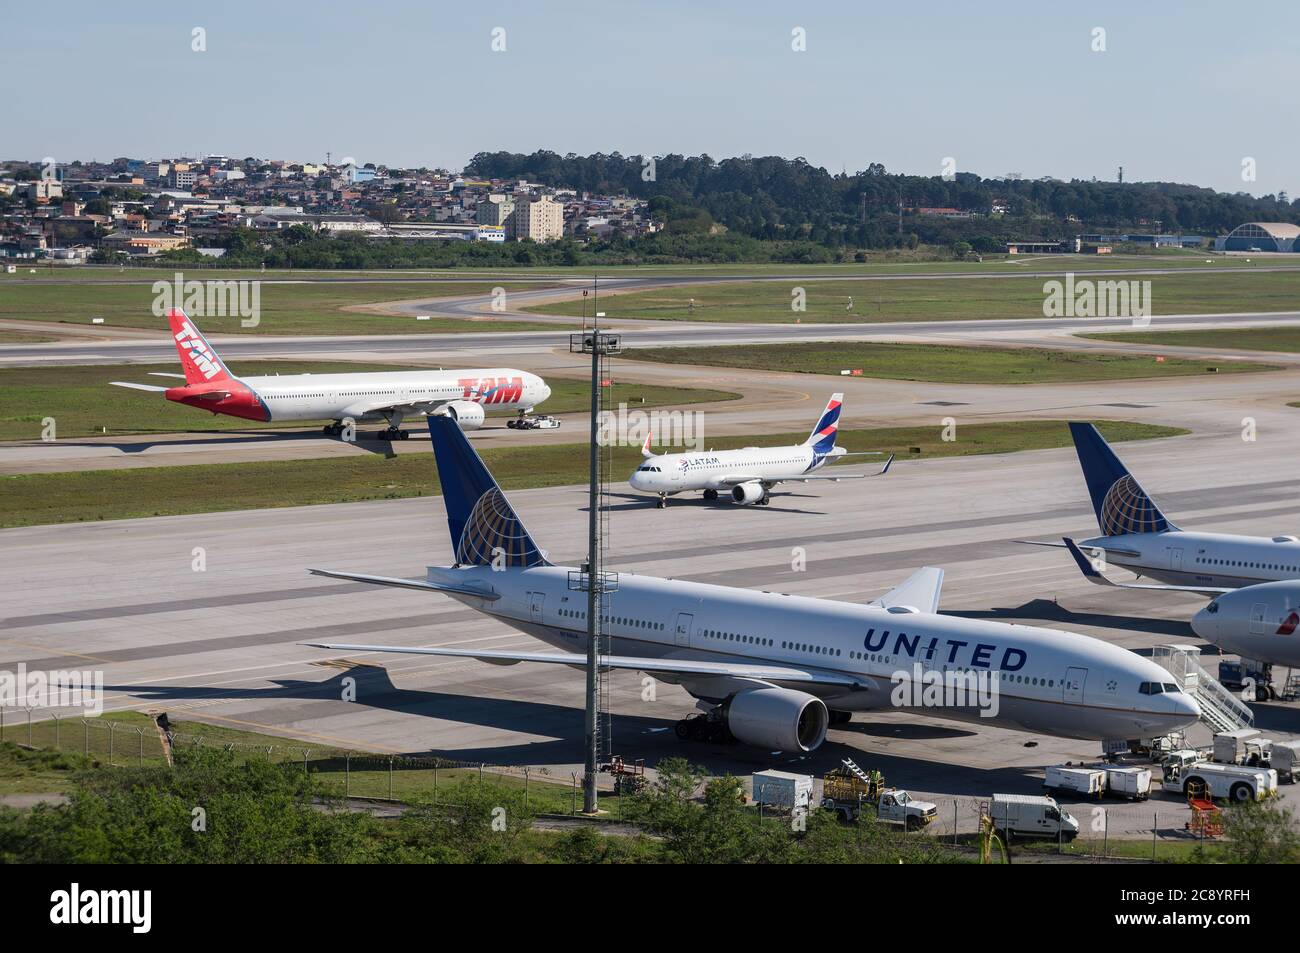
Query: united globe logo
[[1127, 509]]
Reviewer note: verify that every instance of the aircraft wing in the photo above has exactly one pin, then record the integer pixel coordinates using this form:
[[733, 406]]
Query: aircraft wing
[[734, 479], [481, 591], [153, 388], [774, 673], [409, 408], [1092, 575], [919, 591]]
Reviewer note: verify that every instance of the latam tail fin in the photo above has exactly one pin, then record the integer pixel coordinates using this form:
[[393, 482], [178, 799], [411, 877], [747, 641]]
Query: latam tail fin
[[199, 360], [822, 438], [485, 530], [1121, 505]]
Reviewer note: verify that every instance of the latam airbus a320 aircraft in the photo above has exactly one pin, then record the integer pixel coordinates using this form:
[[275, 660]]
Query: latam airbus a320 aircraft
[[748, 475], [465, 396], [775, 670]]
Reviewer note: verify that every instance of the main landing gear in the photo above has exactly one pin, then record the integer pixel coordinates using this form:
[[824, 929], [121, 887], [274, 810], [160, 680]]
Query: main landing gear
[[711, 495], [332, 430], [707, 726], [393, 433]]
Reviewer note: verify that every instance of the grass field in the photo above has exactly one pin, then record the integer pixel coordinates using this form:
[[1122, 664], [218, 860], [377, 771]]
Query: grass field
[[83, 403], [892, 262], [43, 498], [73, 745], [1286, 338], [284, 309], [937, 362], [952, 299]]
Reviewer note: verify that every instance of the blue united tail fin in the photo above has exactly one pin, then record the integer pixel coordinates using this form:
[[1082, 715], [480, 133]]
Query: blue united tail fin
[[822, 439], [485, 530], [1121, 505]]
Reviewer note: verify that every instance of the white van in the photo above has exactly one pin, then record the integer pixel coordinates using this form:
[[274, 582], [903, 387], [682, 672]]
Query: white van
[[1028, 815]]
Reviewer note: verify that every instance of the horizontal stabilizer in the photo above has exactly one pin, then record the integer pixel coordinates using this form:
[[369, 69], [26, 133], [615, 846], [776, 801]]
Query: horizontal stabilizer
[[153, 388], [480, 590]]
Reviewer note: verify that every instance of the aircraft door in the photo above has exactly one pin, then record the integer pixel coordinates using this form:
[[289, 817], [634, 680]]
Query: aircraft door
[[682, 630], [1259, 618], [1074, 679], [535, 603], [1176, 560]]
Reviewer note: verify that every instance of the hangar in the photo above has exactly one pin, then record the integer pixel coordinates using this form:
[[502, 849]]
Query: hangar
[[1260, 236]]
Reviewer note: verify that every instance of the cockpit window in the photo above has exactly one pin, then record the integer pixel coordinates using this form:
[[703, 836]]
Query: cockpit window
[[1171, 688], [647, 469], [1212, 608], [1151, 688]]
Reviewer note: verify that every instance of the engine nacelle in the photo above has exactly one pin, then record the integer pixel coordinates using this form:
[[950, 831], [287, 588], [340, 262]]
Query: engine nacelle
[[467, 414], [778, 719], [747, 493]]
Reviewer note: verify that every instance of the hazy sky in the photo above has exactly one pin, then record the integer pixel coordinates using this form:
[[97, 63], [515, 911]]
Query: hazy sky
[[1183, 91]]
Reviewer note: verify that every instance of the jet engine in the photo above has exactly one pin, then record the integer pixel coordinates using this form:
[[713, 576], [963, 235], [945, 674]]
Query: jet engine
[[778, 719], [747, 493], [467, 414]]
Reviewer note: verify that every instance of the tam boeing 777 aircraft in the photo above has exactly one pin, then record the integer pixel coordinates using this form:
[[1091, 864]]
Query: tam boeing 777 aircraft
[[465, 396], [775, 670], [748, 475]]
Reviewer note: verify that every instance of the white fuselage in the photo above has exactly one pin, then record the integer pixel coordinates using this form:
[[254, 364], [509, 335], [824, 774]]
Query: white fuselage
[[1215, 560], [720, 469], [358, 396], [1260, 622], [1047, 681]]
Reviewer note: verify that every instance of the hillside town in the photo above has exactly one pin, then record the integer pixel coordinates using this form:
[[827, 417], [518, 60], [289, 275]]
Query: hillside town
[[134, 208]]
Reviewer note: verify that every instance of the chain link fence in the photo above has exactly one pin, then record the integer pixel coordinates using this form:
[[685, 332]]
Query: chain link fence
[[339, 772]]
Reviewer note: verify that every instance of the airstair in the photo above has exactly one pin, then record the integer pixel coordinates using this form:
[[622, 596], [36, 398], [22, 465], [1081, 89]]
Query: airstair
[[1221, 710], [854, 770]]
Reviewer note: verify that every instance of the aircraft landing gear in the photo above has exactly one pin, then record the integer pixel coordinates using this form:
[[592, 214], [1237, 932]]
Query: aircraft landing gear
[[710, 495], [840, 717], [332, 430], [663, 501], [706, 727], [393, 433]]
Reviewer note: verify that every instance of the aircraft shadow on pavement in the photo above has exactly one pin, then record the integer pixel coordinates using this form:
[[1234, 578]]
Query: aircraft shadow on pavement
[[364, 441], [561, 731], [1045, 610], [636, 501]]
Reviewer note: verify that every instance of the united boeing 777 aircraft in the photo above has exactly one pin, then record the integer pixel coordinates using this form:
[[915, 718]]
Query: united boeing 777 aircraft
[[775, 670], [1136, 535]]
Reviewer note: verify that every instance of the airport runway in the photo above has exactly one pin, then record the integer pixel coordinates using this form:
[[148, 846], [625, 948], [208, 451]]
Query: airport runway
[[225, 644], [773, 403], [454, 348]]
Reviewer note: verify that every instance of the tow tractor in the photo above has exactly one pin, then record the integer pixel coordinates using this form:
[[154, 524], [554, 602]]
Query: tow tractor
[[533, 422]]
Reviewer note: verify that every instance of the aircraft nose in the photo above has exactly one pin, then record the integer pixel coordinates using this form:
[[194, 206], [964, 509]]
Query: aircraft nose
[[543, 391], [1206, 622], [1186, 706]]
